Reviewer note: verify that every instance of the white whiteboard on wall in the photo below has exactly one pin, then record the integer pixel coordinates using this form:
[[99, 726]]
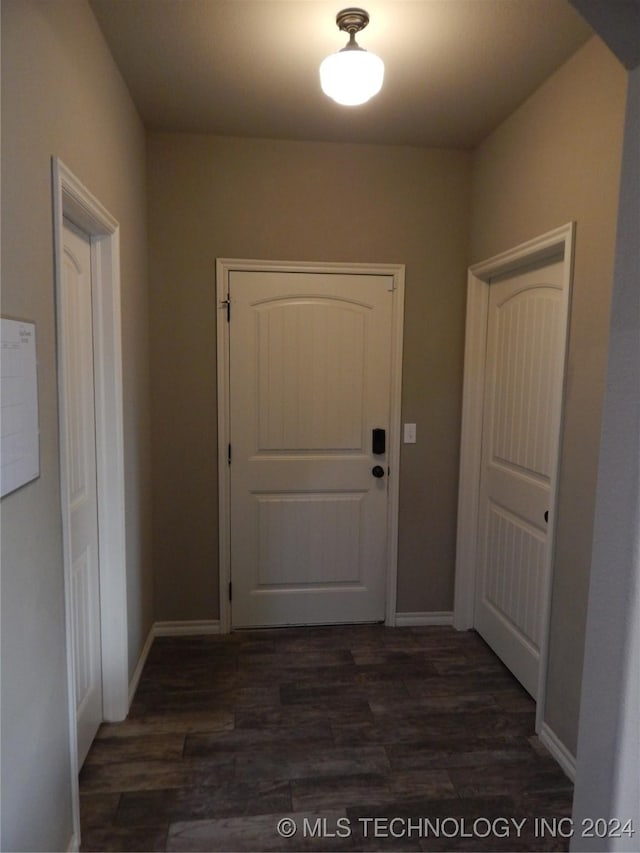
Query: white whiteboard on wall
[[20, 439]]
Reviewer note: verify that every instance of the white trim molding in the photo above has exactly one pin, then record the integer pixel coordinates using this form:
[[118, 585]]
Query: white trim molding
[[436, 617], [558, 750], [194, 627], [470, 451], [556, 243], [224, 267], [73, 201], [137, 672]]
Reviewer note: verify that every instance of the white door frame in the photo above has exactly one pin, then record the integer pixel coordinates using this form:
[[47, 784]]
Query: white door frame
[[224, 267], [556, 243], [71, 200]]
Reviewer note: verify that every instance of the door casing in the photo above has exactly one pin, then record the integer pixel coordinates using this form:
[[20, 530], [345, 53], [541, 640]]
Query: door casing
[[559, 242], [71, 200], [224, 267]]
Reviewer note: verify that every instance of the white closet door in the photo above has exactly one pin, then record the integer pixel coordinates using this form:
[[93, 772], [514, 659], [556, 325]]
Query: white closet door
[[523, 388], [79, 413]]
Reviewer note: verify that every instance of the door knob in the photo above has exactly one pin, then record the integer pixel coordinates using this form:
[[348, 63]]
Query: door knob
[[377, 471]]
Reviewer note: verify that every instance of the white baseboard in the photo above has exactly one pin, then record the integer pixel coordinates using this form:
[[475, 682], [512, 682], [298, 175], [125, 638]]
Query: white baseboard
[[192, 627], [438, 617], [558, 750], [137, 672]]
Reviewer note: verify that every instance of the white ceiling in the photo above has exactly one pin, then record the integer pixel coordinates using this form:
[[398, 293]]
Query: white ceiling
[[454, 68]]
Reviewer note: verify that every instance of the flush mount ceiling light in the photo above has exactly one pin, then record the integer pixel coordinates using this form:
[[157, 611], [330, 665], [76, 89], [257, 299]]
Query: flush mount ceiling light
[[353, 75]]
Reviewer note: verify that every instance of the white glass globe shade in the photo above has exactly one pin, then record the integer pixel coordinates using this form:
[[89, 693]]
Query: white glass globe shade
[[351, 77]]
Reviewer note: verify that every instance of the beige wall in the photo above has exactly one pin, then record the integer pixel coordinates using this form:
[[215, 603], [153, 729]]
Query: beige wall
[[557, 159], [61, 95], [608, 782], [212, 197]]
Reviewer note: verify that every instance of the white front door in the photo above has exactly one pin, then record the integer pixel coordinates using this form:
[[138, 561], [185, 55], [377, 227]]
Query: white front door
[[310, 366], [77, 399], [523, 392]]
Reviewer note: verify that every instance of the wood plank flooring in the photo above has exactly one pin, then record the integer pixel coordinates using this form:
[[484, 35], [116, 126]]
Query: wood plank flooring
[[363, 737]]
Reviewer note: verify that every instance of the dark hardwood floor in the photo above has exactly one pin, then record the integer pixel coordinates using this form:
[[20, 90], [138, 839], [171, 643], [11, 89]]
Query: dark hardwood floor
[[365, 737]]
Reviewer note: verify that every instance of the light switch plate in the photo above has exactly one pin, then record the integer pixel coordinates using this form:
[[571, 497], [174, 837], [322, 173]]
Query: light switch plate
[[409, 433]]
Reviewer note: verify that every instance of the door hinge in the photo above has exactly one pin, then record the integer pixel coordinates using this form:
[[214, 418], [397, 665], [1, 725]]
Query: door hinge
[[226, 303], [230, 591], [229, 454]]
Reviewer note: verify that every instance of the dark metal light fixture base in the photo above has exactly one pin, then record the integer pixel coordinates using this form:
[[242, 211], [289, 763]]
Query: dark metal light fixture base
[[352, 20]]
